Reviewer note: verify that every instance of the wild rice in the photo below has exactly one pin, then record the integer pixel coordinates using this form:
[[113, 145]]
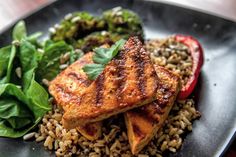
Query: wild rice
[[172, 55], [114, 141]]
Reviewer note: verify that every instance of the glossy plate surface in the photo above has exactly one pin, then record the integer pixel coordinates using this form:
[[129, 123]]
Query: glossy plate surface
[[215, 92]]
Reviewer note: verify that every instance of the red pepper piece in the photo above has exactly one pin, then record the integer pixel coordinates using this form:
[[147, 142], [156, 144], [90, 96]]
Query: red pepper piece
[[197, 58]]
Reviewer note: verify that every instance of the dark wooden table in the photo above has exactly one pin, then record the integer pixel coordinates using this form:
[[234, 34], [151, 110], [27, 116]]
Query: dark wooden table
[[13, 10]]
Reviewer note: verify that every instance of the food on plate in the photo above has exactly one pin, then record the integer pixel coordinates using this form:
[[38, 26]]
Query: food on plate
[[109, 96], [75, 26], [184, 56], [117, 22], [143, 123], [123, 21], [68, 86], [127, 81], [196, 53], [97, 39]]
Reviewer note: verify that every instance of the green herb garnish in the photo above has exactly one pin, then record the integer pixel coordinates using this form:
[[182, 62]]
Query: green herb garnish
[[101, 57]]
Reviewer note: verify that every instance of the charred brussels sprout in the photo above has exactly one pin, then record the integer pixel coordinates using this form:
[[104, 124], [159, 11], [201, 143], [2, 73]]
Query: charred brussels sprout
[[97, 39], [123, 21], [75, 26]]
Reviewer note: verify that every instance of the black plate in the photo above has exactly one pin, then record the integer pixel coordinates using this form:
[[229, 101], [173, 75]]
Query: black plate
[[215, 91]]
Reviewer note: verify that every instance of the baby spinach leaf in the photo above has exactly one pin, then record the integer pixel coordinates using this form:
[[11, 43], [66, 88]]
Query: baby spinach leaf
[[15, 113], [19, 31], [50, 63], [10, 53], [5, 54], [6, 131], [29, 59], [38, 99], [33, 38]]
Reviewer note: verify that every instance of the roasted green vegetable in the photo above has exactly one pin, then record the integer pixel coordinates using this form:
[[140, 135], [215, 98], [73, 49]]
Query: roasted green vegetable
[[76, 26], [97, 39], [123, 21]]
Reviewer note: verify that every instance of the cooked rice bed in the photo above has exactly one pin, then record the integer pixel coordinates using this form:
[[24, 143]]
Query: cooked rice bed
[[114, 141]]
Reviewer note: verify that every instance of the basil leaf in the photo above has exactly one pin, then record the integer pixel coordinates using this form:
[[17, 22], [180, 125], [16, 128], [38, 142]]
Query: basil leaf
[[93, 70], [19, 31]]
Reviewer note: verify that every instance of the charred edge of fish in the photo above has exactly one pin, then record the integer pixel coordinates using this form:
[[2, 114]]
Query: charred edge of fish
[[90, 129], [167, 93]]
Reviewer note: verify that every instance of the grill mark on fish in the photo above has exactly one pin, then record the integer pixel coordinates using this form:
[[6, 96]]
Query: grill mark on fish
[[72, 75], [99, 90], [140, 72], [137, 131], [121, 74]]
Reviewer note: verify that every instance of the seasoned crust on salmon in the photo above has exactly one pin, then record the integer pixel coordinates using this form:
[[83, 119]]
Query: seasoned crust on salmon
[[128, 81], [68, 86], [144, 122], [70, 83]]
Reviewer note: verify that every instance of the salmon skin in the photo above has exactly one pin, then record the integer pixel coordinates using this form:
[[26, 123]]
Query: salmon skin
[[127, 82], [68, 86], [144, 122]]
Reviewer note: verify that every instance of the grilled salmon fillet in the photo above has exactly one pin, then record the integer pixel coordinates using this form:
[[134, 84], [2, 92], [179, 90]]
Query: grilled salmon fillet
[[68, 86], [143, 123], [128, 81]]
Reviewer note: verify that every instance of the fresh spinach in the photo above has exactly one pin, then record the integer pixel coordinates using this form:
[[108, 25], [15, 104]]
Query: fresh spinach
[[49, 65], [21, 106], [19, 31]]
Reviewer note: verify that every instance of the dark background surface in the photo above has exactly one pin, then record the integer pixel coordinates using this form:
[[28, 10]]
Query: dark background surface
[[215, 93]]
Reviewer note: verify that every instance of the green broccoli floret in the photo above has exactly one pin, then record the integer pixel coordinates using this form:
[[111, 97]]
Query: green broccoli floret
[[77, 25], [123, 21], [97, 39]]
